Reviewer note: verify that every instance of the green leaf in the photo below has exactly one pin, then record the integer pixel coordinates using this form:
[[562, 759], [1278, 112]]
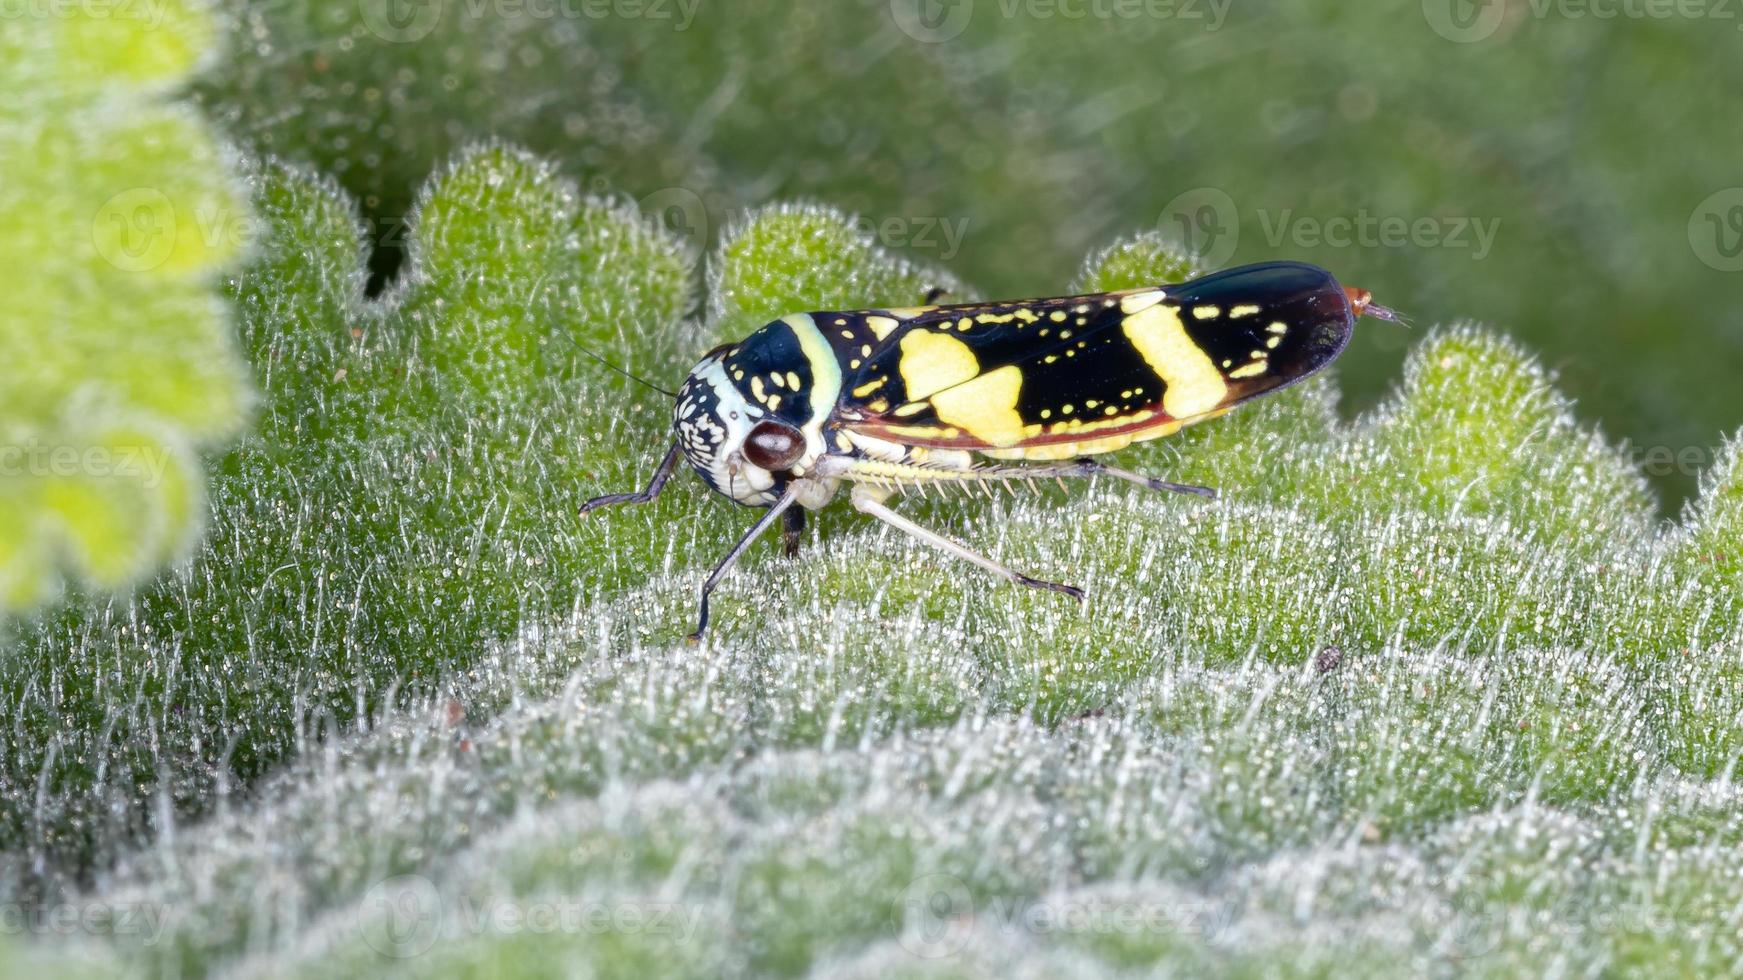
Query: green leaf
[[1424, 683], [807, 257], [119, 213], [1143, 260]]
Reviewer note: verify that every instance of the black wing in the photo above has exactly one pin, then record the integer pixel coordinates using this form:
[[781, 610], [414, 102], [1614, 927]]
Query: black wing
[[1105, 366]]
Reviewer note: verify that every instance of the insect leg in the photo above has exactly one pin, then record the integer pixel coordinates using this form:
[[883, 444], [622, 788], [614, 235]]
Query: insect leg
[[866, 501], [658, 483], [1084, 466], [792, 530], [763, 524], [1093, 466], [934, 294]]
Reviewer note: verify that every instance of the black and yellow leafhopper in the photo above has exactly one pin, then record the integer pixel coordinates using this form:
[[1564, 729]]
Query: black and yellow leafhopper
[[899, 399]]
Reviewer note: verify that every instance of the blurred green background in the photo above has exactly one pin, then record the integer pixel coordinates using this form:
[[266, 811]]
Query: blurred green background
[[1568, 172]]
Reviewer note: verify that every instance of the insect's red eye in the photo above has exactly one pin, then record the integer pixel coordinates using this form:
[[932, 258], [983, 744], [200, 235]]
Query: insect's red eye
[[774, 446]]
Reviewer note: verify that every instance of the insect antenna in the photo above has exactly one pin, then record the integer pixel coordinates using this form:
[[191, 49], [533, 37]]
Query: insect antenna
[[1388, 314], [644, 382], [1362, 301]]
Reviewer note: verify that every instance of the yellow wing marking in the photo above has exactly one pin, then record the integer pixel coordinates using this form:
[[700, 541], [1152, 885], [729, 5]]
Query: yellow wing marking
[[985, 407], [1194, 385], [881, 326], [932, 362], [1135, 302]]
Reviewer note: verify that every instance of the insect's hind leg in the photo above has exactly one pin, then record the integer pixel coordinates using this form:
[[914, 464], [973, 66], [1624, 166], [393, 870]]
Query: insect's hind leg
[[1092, 467], [1086, 466], [867, 501]]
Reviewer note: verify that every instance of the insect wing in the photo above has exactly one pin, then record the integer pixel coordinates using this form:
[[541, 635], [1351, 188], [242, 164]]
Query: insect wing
[[1087, 373]]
